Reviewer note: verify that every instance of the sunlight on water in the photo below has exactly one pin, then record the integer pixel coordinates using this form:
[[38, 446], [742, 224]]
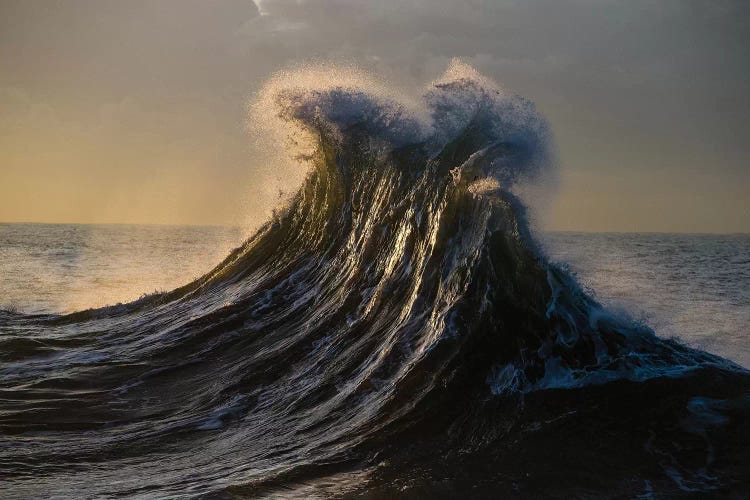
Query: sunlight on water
[[70, 267]]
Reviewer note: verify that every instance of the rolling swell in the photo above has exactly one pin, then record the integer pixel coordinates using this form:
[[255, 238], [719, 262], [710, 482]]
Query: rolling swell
[[394, 330]]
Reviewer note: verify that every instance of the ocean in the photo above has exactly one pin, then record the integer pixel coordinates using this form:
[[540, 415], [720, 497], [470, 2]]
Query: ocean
[[692, 287], [62, 268]]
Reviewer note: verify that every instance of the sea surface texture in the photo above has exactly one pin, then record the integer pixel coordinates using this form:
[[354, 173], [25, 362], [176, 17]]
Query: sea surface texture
[[62, 268], [694, 287]]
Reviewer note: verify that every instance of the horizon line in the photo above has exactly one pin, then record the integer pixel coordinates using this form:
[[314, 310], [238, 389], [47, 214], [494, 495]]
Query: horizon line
[[239, 226]]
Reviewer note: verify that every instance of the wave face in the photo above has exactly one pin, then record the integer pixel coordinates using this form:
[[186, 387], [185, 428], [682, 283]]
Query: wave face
[[393, 331]]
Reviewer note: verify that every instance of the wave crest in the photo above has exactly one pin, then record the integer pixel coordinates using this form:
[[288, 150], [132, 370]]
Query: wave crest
[[295, 106]]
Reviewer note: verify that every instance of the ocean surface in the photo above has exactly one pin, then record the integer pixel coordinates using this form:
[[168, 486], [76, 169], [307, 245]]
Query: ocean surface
[[62, 268], [693, 287]]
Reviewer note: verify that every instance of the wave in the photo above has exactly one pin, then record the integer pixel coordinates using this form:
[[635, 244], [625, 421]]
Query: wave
[[394, 330]]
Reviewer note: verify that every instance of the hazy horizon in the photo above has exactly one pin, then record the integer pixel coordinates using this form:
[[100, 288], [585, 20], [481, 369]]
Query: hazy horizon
[[134, 112], [238, 226]]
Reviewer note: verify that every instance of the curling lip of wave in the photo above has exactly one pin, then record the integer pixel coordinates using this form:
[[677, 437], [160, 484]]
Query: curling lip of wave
[[396, 310], [294, 106]]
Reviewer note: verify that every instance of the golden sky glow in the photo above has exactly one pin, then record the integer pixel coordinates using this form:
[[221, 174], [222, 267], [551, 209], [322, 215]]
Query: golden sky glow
[[134, 111]]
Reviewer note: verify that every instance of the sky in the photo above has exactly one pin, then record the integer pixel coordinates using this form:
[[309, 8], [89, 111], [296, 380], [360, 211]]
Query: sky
[[134, 111]]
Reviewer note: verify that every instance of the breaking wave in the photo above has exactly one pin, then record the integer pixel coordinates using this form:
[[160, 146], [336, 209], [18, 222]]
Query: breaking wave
[[394, 330]]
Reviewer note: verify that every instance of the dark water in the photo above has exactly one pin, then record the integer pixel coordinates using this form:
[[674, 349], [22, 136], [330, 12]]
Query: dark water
[[396, 331]]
